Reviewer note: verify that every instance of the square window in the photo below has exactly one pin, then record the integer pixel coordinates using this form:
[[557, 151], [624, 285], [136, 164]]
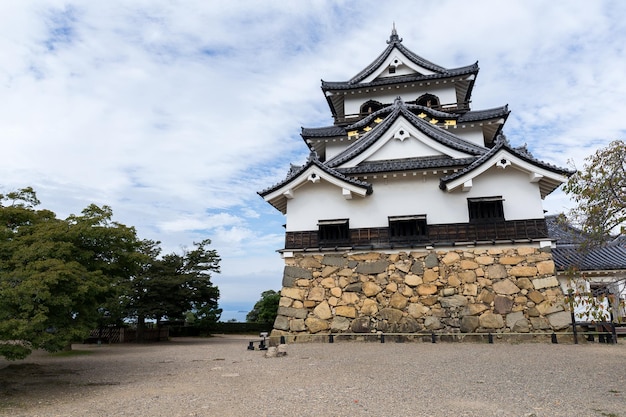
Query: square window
[[487, 209], [407, 227], [333, 231]]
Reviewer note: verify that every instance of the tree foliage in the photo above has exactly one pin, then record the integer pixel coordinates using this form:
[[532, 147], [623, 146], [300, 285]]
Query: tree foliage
[[599, 191], [54, 274], [59, 279], [175, 284], [266, 309]]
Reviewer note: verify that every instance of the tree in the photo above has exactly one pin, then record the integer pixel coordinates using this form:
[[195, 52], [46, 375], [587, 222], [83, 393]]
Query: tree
[[175, 284], [266, 309], [59, 279], [599, 191], [55, 275]]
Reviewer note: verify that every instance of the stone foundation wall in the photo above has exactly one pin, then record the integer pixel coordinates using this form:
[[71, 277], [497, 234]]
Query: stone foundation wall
[[466, 291]]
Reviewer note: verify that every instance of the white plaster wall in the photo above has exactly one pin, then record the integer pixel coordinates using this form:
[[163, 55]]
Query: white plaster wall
[[409, 195], [313, 202], [415, 144], [335, 148], [522, 198], [470, 134], [405, 67], [408, 148]]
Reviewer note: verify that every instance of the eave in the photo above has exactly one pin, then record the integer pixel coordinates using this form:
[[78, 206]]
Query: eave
[[548, 178], [441, 139], [313, 172]]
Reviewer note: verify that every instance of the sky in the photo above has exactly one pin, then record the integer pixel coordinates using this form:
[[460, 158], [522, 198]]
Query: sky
[[176, 113]]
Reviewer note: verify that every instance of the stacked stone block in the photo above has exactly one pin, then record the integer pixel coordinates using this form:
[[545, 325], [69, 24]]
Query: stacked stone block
[[500, 290]]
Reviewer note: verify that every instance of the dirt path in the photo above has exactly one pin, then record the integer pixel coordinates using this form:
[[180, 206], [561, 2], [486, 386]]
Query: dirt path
[[219, 377]]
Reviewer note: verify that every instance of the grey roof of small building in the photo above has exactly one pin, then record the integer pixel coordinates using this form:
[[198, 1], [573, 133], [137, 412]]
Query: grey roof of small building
[[563, 232], [400, 109], [503, 143], [618, 241], [295, 171], [571, 250], [595, 259], [396, 42]]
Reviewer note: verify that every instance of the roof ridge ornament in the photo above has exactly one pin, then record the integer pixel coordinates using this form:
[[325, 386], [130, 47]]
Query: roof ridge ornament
[[312, 156], [394, 38], [501, 138]]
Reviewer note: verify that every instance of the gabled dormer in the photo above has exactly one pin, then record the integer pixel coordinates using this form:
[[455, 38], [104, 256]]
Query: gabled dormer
[[478, 127], [502, 157], [310, 174], [400, 135], [399, 71]]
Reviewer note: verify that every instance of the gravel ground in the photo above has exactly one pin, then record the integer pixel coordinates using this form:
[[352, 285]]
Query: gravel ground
[[218, 376]]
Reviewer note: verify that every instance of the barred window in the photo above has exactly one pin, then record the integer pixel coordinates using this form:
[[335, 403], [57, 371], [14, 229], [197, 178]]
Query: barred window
[[333, 231], [486, 209], [407, 227]]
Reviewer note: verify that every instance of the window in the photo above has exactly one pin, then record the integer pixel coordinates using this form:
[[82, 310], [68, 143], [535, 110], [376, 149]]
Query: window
[[488, 209], [407, 228], [428, 100], [334, 231], [370, 107]]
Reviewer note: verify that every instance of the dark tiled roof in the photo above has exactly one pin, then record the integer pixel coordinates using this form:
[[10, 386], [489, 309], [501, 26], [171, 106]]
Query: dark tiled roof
[[596, 259], [571, 251], [400, 109], [323, 132], [347, 85], [396, 42], [295, 171], [406, 164], [502, 143], [618, 241], [472, 116], [563, 232]]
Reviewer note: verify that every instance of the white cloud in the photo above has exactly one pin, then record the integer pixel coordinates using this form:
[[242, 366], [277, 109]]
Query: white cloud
[[177, 113]]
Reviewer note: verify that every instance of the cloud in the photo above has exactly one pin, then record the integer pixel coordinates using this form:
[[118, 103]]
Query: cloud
[[176, 114]]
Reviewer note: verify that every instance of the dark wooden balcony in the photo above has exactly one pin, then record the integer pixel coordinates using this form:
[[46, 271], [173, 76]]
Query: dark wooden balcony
[[436, 235]]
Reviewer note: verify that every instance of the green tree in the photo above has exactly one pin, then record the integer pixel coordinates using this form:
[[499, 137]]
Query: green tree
[[56, 275], [175, 284], [266, 309], [599, 191]]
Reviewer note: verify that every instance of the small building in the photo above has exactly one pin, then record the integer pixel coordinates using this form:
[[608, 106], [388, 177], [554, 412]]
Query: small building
[[414, 213], [595, 273]]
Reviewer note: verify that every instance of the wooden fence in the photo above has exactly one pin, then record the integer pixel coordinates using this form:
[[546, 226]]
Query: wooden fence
[[126, 335]]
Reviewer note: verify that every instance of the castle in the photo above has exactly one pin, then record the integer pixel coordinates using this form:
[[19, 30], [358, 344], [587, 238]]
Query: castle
[[413, 213]]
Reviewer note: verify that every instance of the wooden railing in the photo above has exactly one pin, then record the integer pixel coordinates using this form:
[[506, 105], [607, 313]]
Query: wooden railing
[[436, 235]]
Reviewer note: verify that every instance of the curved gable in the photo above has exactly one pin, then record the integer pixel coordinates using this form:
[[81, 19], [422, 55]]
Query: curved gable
[[504, 157], [313, 172], [401, 124]]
